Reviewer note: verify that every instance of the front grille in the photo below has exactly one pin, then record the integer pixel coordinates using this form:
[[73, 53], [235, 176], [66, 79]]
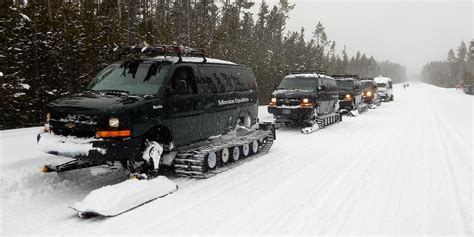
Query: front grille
[[288, 102], [67, 124]]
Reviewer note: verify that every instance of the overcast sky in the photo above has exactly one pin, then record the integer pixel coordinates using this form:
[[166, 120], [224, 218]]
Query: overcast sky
[[407, 32]]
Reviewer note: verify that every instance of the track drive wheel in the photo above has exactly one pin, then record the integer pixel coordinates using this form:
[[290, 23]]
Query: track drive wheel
[[225, 155], [236, 153], [211, 161], [255, 147]]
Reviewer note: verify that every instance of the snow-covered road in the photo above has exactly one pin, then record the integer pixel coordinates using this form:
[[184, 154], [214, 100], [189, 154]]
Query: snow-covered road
[[404, 168]]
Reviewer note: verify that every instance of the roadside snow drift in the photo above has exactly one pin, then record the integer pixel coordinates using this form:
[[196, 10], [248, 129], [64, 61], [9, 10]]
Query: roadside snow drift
[[115, 199]]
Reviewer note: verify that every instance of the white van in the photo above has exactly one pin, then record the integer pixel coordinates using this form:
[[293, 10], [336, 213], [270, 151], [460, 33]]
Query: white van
[[385, 88]]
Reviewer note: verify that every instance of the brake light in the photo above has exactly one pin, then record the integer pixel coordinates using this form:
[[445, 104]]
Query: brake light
[[117, 133]]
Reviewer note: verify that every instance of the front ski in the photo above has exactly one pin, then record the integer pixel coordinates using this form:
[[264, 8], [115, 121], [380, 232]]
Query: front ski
[[114, 200]]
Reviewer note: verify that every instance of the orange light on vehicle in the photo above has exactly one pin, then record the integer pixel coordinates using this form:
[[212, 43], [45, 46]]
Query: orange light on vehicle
[[305, 103], [117, 133], [273, 102]]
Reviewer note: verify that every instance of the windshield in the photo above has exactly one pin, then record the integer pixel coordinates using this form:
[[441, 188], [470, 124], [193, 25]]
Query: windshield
[[366, 84], [136, 77], [345, 85], [381, 85], [299, 83]]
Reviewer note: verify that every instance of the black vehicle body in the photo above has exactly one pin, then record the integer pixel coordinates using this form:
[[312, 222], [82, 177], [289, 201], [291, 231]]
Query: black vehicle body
[[301, 106], [215, 96], [350, 92], [369, 91]]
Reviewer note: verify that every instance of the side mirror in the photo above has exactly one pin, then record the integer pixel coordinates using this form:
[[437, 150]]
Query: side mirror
[[322, 88]]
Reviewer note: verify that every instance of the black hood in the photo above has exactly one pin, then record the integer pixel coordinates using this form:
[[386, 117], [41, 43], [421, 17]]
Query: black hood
[[293, 94], [94, 103]]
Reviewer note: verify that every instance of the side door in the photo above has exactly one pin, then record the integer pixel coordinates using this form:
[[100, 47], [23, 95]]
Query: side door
[[324, 95], [184, 104], [390, 88], [357, 93], [212, 123]]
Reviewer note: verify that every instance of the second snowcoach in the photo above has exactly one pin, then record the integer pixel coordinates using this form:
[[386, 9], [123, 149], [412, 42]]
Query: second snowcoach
[[350, 94], [176, 108], [307, 98]]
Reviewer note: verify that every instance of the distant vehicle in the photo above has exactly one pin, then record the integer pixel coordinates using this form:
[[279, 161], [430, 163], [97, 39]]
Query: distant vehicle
[[385, 88], [370, 92], [308, 98], [350, 93]]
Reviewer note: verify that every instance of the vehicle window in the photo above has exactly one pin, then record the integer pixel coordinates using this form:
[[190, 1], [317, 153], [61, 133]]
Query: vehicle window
[[239, 83], [224, 78], [390, 84], [247, 78], [332, 84], [136, 77], [381, 85], [299, 83], [183, 81], [345, 85], [207, 80]]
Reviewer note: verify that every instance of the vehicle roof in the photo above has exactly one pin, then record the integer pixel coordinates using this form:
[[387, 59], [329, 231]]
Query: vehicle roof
[[345, 79], [187, 59], [382, 79], [308, 75]]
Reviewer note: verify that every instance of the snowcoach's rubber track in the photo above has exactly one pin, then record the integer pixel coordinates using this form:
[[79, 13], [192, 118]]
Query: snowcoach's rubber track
[[322, 122], [192, 162]]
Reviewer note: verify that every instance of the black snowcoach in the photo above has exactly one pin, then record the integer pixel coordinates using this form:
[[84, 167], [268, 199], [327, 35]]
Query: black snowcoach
[[350, 93], [175, 107], [307, 98], [369, 92]]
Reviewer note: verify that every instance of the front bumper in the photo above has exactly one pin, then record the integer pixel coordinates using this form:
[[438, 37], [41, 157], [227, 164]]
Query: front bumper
[[291, 113], [346, 104], [382, 95], [89, 148]]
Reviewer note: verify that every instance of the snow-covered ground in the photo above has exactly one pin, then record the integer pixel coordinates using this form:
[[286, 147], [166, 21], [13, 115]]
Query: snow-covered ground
[[403, 168]]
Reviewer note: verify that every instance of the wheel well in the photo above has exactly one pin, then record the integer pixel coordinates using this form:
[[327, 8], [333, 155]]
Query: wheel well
[[160, 134]]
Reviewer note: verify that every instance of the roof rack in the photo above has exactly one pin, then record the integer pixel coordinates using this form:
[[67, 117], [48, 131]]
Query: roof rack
[[346, 76], [161, 50], [367, 78], [308, 71]]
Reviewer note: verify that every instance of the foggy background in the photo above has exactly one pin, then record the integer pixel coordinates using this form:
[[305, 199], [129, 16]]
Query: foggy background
[[407, 32]]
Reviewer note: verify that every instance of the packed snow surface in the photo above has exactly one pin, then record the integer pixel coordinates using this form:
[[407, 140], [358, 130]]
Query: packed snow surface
[[403, 168], [115, 199]]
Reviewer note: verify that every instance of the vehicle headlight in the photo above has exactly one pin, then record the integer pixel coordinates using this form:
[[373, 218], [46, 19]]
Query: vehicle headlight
[[369, 93], [114, 122], [274, 100], [348, 96], [305, 101], [48, 117]]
